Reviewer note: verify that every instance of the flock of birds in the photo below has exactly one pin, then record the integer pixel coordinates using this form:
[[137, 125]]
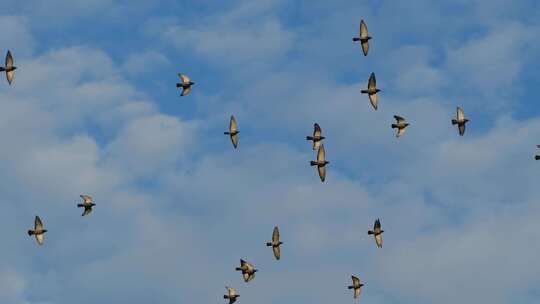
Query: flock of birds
[[248, 270]]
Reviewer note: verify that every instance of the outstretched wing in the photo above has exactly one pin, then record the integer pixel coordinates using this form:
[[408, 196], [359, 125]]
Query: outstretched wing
[[373, 100], [9, 65], [321, 154], [461, 128], [38, 224], [316, 130], [275, 235], [87, 210], [185, 90], [87, 199], [183, 78], [363, 30], [233, 130], [460, 114], [365, 47], [378, 240], [372, 82], [277, 252], [400, 132], [399, 119], [40, 238]]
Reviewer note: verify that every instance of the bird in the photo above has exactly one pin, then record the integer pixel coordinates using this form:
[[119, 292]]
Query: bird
[[248, 270], [321, 163], [231, 295], [400, 125], [9, 68], [364, 37], [537, 157], [185, 84], [460, 121], [38, 231], [87, 204], [316, 138], [275, 243], [233, 132], [377, 233], [372, 90], [356, 285]]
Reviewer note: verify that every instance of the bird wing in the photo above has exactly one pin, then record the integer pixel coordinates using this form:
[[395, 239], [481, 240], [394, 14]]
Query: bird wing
[[316, 130], [40, 238], [185, 91], [87, 210], [321, 154], [277, 252], [233, 127], [365, 47], [38, 224], [231, 291], [9, 60], [363, 30], [460, 114], [399, 119], [377, 225], [87, 199], [373, 100], [234, 140], [400, 132], [275, 235], [183, 77], [372, 82], [250, 276], [378, 240], [355, 281], [322, 172], [461, 128], [357, 292]]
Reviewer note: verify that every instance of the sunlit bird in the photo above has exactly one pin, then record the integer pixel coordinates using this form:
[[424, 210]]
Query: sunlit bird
[[400, 125], [356, 285], [247, 269], [38, 231], [233, 132], [317, 137], [185, 84], [9, 68], [321, 163], [364, 37], [275, 243], [460, 120], [87, 204], [231, 295], [377, 233], [372, 90]]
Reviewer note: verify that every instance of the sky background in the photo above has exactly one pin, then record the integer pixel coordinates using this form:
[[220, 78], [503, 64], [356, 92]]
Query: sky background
[[94, 109]]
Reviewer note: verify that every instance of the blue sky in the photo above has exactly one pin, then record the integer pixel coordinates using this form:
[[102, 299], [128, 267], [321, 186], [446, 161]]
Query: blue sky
[[94, 109]]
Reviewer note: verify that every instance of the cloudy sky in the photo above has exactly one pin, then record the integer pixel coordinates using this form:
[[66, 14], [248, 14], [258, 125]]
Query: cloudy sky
[[94, 109]]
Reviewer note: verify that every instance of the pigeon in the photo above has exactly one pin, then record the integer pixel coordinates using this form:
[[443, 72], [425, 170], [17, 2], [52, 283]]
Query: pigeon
[[364, 37], [321, 163], [460, 121], [356, 285], [400, 124], [231, 295], [9, 68], [233, 132], [377, 233], [372, 90], [316, 138], [38, 230], [87, 204], [248, 270], [185, 84], [275, 243], [537, 157]]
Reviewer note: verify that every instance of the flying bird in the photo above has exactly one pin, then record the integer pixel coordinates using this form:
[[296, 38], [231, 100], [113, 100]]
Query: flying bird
[[460, 121], [356, 285], [321, 163], [537, 157], [248, 270], [317, 137], [185, 84], [372, 90], [38, 231], [377, 233], [275, 243], [364, 37], [9, 68], [233, 132], [400, 125], [231, 295], [87, 204]]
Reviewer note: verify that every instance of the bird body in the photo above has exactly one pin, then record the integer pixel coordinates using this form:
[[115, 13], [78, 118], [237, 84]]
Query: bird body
[[460, 120], [185, 84], [233, 132], [38, 230], [275, 243], [400, 125], [377, 233], [372, 91], [321, 163]]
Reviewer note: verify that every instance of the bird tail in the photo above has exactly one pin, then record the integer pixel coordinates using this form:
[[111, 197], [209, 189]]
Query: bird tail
[[268, 244], [454, 122], [370, 232], [31, 232], [309, 137], [313, 163], [364, 91], [394, 126], [356, 39], [537, 157]]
